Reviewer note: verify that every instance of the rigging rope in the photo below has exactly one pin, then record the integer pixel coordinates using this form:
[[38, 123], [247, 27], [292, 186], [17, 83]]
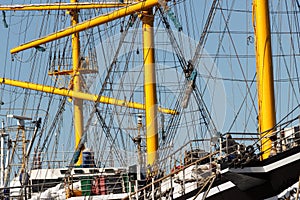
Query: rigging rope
[[201, 105]]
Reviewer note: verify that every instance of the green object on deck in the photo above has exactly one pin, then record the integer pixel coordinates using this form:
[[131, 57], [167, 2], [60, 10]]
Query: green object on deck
[[86, 186], [126, 180]]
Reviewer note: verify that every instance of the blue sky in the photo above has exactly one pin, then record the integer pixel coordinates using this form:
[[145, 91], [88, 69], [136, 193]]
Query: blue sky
[[229, 70]]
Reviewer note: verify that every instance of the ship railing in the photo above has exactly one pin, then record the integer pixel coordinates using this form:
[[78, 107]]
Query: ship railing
[[187, 153], [239, 149], [24, 191], [42, 185], [282, 140], [21, 192], [234, 142], [180, 181], [83, 184], [285, 139], [100, 184], [61, 159], [47, 160]]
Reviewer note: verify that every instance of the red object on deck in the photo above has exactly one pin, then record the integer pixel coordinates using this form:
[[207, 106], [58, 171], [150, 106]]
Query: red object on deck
[[98, 186]]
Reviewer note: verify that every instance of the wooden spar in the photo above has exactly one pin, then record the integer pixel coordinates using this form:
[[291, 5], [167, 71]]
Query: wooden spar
[[128, 10], [62, 6], [81, 95]]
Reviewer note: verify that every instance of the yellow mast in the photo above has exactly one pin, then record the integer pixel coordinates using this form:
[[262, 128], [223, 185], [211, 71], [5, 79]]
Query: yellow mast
[[150, 88], [77, 103], [266, 102]]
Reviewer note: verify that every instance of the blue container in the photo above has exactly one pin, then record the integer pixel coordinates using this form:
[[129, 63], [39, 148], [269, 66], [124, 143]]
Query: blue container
[[87, 159]]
